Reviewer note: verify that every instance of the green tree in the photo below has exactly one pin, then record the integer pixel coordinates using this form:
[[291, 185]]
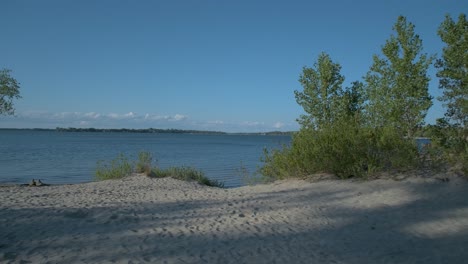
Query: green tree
[[322, 92], [453, 69], [354, 99], [397, 83], [9, 90], [453, 73]]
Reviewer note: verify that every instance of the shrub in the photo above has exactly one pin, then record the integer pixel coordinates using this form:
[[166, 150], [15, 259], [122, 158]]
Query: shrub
[[449, 144], [143, 164], [186, 174], [344, 149], [115, 169]]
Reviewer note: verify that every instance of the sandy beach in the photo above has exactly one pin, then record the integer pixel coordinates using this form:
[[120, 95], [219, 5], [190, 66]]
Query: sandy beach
[[144, 220]]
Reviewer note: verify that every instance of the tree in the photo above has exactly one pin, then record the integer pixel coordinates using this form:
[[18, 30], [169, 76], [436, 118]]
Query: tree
[[322, 92], [397, 84], [9, 90], [453, 69], [354, 99], [453, 74], [334, 137]]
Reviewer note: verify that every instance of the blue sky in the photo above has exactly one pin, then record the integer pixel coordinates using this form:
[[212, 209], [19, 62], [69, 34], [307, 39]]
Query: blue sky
[[209, 65]]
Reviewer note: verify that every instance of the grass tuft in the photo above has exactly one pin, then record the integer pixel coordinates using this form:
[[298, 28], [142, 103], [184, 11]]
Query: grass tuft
[[143, 164], [186, 174], [115, 169], [121, 167]]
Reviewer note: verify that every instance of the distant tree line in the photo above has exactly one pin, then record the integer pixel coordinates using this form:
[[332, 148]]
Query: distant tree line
[[145, 130], [155, 130], [165, 131]]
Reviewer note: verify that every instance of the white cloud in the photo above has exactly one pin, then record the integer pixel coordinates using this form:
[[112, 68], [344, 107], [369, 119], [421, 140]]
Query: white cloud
[[179, 117], [278, 125], [152, 117], [113, 115], [176, 117], [130, 115], [134, 120], [64, 115], [92, 115], [130, 119], [253, 123], [215, 122]]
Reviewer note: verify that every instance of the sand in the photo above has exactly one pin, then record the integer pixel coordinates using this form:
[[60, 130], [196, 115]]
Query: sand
[[144, 220]]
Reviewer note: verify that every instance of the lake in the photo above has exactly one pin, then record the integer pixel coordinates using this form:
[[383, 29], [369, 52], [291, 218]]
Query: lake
[[70, 157]]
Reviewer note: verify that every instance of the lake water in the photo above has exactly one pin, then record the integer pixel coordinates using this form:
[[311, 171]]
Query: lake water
[[67, 157]]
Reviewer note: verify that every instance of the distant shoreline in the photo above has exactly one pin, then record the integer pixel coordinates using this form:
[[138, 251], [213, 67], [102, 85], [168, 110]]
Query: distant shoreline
[[151, 131]]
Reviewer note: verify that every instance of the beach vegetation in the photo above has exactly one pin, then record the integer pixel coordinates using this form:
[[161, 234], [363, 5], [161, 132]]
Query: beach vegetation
[[186, 174], [9, 90], [345, 149], [450, 134], [363, 129], [453, 69], [321, 97], [121, 167], [143, 163], [448, 148], [115, 169], [397, 82]]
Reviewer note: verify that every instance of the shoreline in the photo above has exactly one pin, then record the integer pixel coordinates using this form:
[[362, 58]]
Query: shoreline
[[143, 219], [422, 174]]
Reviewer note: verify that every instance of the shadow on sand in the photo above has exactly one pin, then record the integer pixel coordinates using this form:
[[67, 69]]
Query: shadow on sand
[[301, 225]]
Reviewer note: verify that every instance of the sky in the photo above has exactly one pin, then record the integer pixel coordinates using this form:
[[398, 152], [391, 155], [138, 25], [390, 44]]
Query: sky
[[193, 64]]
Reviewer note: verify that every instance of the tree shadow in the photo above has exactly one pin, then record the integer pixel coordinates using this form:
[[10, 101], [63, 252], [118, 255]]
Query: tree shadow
[[350, 223]]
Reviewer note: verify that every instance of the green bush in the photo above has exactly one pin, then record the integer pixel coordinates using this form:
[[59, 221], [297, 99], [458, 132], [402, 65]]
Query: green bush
[[115, 169], [185, 174], [121, 167], [344, 149], [449, 145], [143, 164]]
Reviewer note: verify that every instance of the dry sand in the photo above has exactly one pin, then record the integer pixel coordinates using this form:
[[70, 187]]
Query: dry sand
[[138, 220]]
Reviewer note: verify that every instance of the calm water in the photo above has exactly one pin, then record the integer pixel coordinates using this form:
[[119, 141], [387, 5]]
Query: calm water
[[58, 157]]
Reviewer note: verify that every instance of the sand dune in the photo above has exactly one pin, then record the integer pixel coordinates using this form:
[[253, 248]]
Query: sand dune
[[138, 220]]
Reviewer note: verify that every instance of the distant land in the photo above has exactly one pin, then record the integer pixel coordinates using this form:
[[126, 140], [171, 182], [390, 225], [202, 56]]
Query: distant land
[[151, 131]]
